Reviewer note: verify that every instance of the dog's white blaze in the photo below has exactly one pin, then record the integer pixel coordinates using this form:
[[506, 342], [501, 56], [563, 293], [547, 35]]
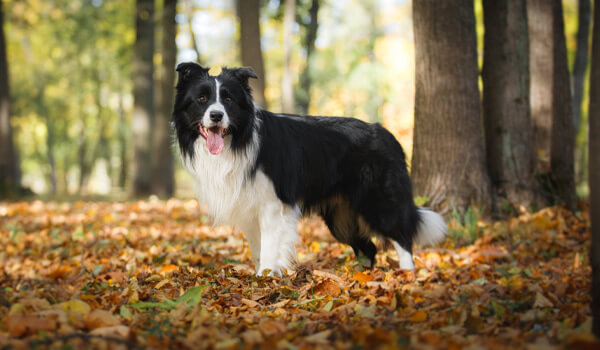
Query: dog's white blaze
[[251, 205], [216, 106]]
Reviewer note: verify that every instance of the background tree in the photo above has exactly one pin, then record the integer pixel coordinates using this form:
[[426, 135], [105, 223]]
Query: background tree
[[539, 19], [287, 81], [562, 149], [508, 129], [581, 57], [163, 182], [448, 163], [594, 168], [143, 76], [9, 162], [248, 12], [311, 27]]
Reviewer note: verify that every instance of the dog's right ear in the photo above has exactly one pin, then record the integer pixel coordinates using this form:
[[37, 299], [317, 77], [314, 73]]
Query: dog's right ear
[[189, 70]]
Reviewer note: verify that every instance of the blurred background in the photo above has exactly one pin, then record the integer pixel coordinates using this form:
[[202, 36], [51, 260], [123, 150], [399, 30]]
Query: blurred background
[[72, 64]]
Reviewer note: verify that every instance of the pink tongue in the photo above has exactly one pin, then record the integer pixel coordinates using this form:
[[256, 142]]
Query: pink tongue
[[214, 142]]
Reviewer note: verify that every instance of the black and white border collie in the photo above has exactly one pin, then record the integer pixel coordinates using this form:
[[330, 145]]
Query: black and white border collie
[[261, 171]]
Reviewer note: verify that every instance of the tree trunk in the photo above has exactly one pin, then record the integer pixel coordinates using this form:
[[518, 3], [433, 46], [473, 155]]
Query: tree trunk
[[581, 58], [189, 12], [303, 93], [562, 149], [539, 19], [124, 169], [163, 182], [448, 164], [287, 81], [249, 12], [10, 175], [594, 169], [508, 128], [142, 120]]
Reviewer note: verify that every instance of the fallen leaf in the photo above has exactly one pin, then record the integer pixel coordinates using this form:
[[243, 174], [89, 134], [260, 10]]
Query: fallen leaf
[[362, 277], [541, 301], [327, 287], [100, 318], [25, 325], [418, 316], [75, 305]]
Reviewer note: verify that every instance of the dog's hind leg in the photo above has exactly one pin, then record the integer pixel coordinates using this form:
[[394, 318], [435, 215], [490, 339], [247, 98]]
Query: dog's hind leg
[[343, 224]]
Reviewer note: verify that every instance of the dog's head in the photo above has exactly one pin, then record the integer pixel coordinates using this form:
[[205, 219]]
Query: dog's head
[[218, 109]]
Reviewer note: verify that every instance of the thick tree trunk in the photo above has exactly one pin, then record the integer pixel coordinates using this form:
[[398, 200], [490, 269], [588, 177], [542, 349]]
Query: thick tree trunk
[[163, 182], [448, 163], [142, 120], [303, 93], [539, 19], [287, 81], [9, 162], [594, 169], [508, 128], [249, 13], [581, 58], [562, 149]]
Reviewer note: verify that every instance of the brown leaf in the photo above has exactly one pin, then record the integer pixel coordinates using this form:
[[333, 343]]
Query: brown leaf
[[25, 325], [271, 327], [100, 318], [327, 287], [362, 277]]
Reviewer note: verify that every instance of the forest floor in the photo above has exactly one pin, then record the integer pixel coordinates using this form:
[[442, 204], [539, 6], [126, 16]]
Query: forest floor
[[156, 274]]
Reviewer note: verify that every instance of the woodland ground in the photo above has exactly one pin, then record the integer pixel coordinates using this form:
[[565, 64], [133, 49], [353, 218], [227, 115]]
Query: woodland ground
[[156, 274]]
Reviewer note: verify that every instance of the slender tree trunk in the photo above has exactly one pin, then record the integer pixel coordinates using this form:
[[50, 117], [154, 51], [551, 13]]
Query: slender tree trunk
[[163, 182], [539, 19], [287, 81], [142, 121], [594, 169], [303, 93], [448, 163], [10, 175], [124, 169], [562, 149], [581, 57], [248, 12], [507, 119], [189, 12]]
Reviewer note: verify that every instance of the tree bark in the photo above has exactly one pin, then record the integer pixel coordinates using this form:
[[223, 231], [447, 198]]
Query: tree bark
[[163, 182], [507, 118], [142, 120], [594, 169], [10, 174], [248, 12], [448, 164], [303, 94], [539, 19], [581, 58], [287, 81], [562, 149]]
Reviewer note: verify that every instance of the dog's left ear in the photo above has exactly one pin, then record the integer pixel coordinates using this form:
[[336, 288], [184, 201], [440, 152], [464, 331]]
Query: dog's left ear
[[241, 74]]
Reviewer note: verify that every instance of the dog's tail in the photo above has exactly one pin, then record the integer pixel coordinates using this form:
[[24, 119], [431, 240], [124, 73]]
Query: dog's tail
[[431, 228]]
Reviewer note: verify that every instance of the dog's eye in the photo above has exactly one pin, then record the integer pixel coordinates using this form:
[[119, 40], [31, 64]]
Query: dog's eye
[[228, 99], [202, 99]]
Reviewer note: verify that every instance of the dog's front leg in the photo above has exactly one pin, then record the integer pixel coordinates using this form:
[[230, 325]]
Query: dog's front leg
[[278, 237]]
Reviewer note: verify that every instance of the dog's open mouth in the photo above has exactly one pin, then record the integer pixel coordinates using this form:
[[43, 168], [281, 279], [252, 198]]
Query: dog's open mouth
[[214, 138]]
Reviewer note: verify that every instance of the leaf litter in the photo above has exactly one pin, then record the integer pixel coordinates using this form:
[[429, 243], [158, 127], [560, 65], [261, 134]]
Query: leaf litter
[[156, 274]]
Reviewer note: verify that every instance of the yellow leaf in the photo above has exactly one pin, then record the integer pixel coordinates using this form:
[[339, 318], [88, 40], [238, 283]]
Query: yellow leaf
[[315, 247], [419, 316], [75, 305], [16, 309], [362, 277]]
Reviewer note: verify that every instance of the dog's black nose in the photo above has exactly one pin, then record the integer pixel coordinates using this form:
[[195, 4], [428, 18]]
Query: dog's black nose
[[216, 116]]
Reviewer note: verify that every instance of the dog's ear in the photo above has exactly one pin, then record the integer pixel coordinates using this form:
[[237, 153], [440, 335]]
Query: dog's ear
[[241, 74], [189, 70]]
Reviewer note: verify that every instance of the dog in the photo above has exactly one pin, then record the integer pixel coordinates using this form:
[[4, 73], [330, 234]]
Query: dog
[[262, 171]]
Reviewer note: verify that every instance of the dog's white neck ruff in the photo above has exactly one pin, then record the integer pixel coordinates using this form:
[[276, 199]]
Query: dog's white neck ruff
[[224, 184]]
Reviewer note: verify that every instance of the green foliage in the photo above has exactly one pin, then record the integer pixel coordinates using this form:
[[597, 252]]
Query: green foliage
[[464, 226], [191, 297]]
